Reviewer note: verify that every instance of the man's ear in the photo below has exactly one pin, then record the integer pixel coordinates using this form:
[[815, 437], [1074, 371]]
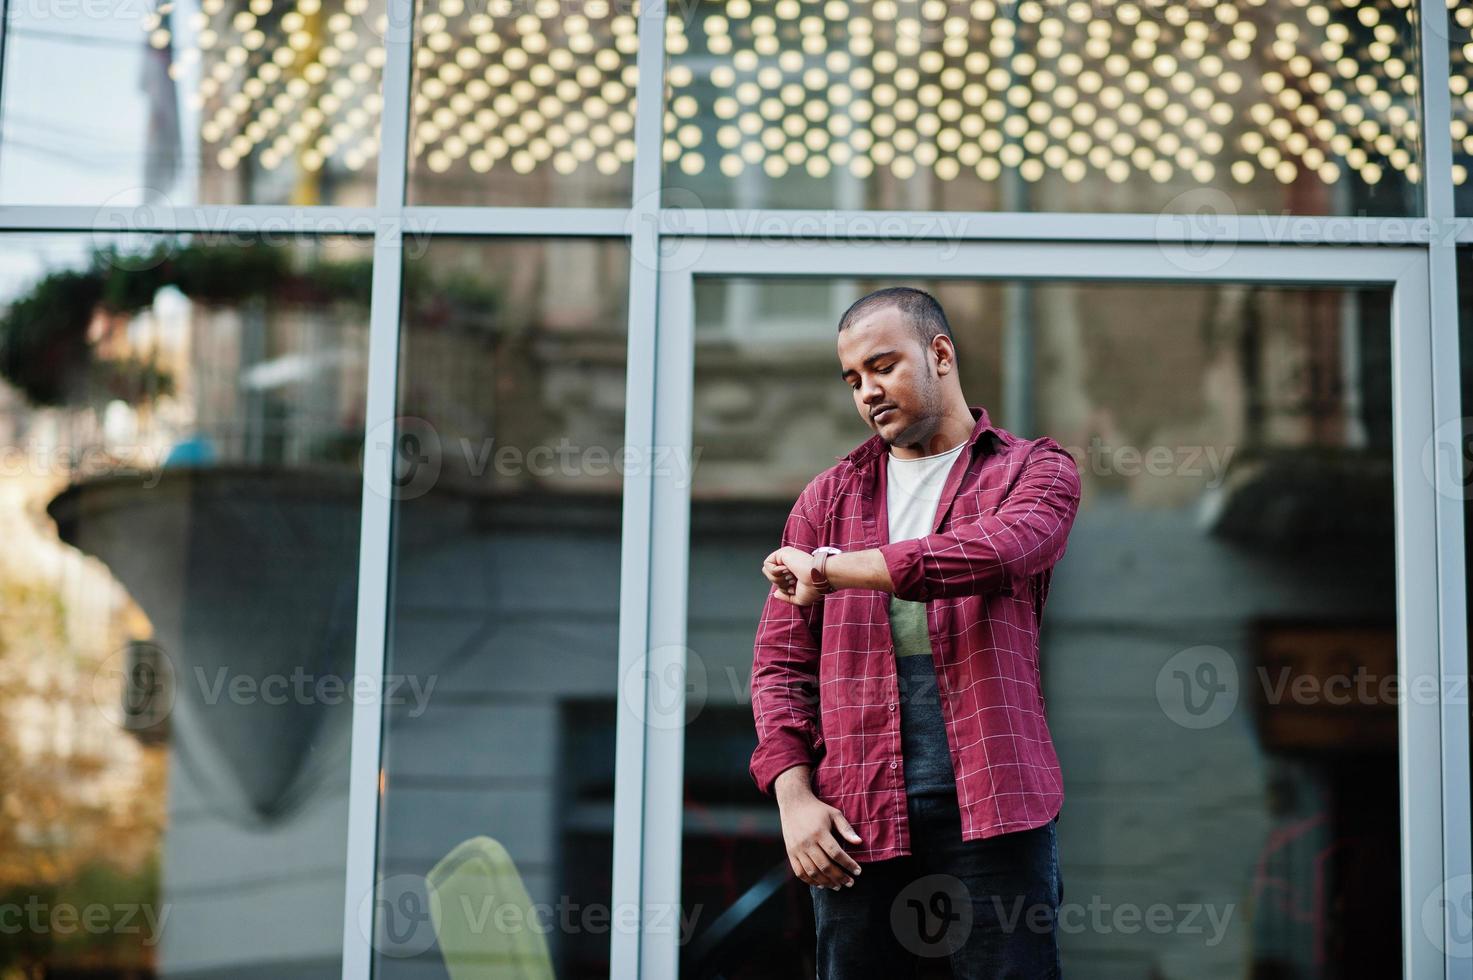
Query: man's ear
[[942, 351]]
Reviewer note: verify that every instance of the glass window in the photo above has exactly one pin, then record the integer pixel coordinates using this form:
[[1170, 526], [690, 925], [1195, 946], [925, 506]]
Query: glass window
[[1460, 32], [1308, 107], [499, 753], [208, 103], [524, 103], [181, 430], [1234, 445], [1462, 485]]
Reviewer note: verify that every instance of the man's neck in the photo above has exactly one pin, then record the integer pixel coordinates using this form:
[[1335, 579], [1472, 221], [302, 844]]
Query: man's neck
[[953, 430]]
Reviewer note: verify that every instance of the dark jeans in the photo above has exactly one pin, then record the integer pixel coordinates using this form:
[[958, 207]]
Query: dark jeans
[[990, 907]]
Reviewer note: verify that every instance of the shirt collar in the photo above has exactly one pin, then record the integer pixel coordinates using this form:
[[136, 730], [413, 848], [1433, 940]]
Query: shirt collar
[[875, 445]]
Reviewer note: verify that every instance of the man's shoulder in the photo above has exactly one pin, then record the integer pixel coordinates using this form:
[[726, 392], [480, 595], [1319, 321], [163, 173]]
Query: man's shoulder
[[1013, 445], [1041, 461]]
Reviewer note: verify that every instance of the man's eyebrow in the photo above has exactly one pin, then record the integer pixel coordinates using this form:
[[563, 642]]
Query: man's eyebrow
[[869, 360]]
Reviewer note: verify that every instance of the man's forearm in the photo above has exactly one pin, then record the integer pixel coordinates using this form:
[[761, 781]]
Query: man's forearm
[[859, 570]]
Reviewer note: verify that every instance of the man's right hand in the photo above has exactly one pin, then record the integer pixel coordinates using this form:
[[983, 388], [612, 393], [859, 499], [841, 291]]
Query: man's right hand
[[808, 831], [788, 569]]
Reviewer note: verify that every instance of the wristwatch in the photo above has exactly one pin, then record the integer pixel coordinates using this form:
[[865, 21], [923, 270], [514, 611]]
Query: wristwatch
[[819, 575]]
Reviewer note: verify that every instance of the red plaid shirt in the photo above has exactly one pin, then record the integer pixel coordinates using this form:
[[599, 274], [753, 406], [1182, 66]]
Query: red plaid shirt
[[1000, 526]]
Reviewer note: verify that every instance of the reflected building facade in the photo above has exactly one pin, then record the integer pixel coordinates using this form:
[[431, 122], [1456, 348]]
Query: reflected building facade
[[299, 700]]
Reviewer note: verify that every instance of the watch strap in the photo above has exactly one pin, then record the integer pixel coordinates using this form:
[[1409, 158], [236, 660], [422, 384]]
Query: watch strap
[[819, 575]]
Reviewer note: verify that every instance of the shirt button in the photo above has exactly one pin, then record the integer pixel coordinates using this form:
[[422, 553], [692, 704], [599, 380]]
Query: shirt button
[[892, 706], [892, 765]]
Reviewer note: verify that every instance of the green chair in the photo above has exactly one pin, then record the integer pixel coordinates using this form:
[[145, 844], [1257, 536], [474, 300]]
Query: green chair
[[483, 916]]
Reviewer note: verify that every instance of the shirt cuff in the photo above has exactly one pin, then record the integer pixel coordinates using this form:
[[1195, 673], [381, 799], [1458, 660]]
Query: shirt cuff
[[783, 750], [903, 560]]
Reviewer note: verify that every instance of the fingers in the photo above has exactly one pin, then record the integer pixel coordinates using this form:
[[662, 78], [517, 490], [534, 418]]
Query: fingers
[[785, 581], [824, 863], [810, 873], [842, 861], [830, 875], [816, 856], [845, 827], [798, 599], [778, 574]]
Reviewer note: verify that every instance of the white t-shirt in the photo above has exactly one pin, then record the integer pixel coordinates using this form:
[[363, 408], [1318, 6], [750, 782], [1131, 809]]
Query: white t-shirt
[[913, 489]]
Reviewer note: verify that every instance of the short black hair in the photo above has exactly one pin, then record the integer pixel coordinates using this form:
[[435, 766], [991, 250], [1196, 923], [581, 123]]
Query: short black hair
[[919, 308]]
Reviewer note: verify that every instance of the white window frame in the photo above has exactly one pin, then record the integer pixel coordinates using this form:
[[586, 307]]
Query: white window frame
[[1415, 257], [1427, 646]]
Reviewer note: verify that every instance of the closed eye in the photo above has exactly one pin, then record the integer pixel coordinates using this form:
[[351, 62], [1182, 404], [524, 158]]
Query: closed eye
[[884, 370]]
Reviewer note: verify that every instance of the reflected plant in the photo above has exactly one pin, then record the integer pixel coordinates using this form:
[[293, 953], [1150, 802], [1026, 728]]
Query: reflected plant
[[43, 336], [47, 352], [455, 299]]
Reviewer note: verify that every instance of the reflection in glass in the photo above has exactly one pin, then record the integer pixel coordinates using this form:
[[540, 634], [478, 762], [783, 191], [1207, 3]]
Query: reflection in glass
[[1273, 105], [1462, 484], [1460, 75], [175, 104], [1235, 449], [524, 103], [499, 775], [180, 430]]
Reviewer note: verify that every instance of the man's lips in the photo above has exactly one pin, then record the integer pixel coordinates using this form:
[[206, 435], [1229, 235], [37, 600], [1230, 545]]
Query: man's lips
[[882, 414]]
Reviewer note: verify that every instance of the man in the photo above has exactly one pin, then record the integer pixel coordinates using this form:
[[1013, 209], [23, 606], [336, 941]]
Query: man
[[895, 683]]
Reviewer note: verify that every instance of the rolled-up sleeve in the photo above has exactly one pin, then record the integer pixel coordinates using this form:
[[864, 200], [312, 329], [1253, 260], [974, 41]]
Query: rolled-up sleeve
[[1026, 534], [785, 669]]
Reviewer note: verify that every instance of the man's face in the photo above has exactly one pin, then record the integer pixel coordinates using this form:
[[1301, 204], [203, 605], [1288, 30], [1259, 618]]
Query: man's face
[[895, 386]]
